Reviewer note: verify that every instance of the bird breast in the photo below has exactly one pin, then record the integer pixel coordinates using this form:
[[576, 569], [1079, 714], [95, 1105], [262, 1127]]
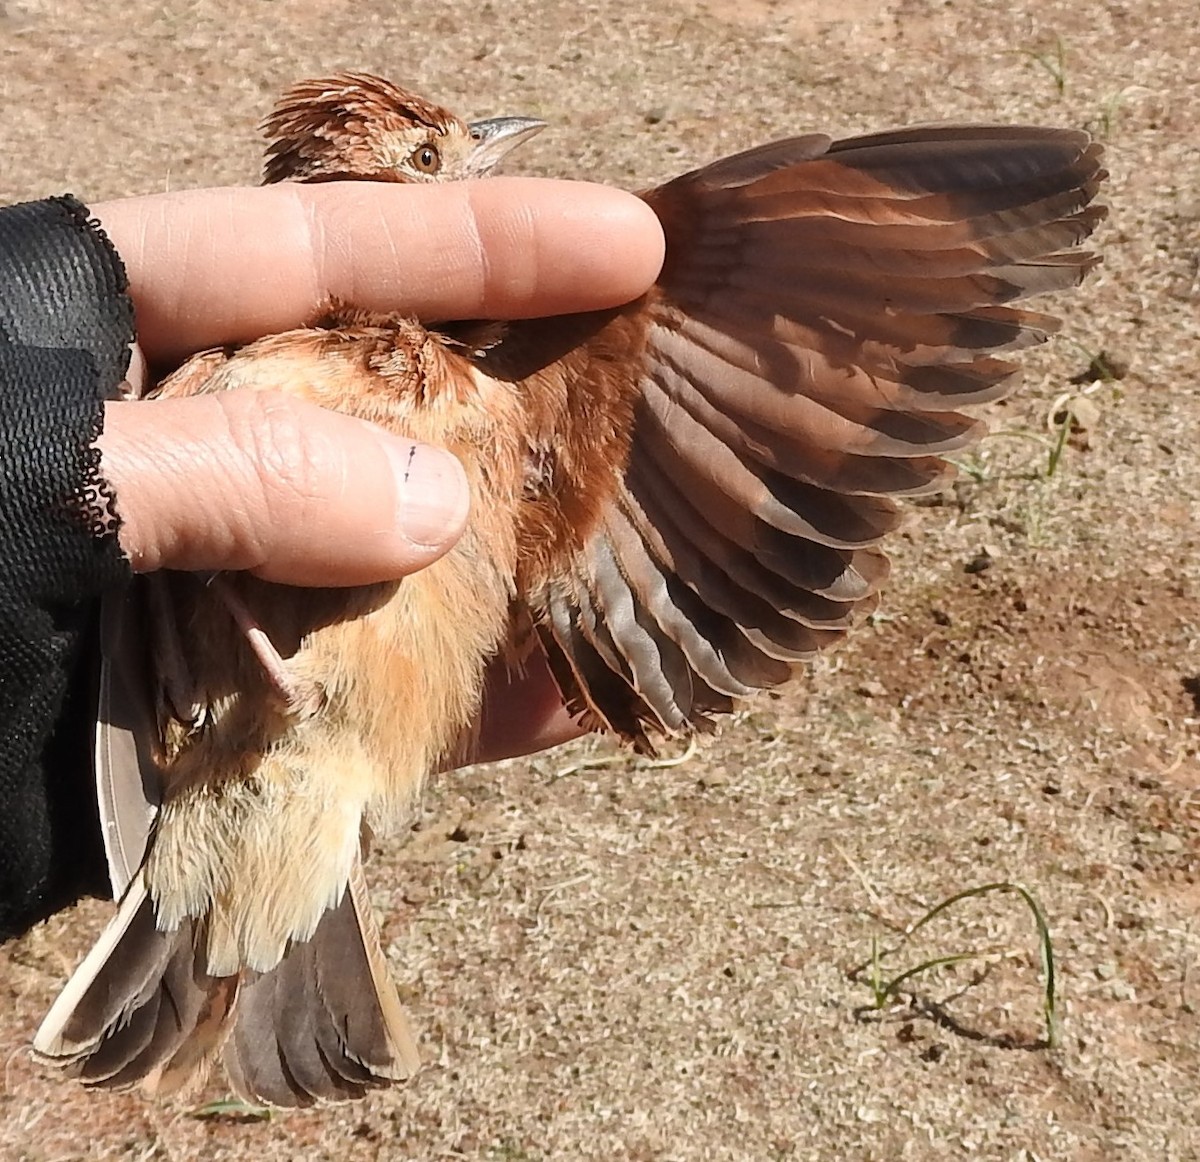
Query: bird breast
[[391, 674]]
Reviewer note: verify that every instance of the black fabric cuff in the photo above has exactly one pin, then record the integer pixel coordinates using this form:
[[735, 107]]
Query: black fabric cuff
[[66, 325]]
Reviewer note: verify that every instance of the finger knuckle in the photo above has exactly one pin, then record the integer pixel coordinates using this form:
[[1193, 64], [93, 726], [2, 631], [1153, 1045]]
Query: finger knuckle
[[287, 455]]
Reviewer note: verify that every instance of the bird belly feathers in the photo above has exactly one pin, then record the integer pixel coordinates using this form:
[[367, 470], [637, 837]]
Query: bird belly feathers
[[263, 812], [247, 931], [263, 805]]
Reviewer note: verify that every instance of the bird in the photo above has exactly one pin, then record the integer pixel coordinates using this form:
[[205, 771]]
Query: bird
[[679, 501]]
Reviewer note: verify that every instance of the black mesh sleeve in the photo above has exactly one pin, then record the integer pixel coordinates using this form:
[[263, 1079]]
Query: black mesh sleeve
[[66, 324]]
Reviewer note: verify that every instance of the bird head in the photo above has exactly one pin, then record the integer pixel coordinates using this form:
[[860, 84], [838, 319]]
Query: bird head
[[354, 125]]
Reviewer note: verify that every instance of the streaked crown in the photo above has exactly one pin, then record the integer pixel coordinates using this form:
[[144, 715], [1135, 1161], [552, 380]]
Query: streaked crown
[[356, 125]]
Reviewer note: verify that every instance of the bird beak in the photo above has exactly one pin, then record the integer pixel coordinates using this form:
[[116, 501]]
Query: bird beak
[[495, 137]]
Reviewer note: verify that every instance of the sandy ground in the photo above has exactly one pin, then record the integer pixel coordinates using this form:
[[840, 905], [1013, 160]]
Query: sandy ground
[[609, 959]]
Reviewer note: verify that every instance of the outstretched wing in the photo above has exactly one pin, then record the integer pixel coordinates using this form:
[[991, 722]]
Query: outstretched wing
[[825, 311]]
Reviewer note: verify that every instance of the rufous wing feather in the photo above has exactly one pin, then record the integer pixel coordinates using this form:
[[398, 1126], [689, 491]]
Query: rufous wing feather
[[825, 310]]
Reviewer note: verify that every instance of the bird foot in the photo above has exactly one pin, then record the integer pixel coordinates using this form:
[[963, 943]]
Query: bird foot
[[301, 697]]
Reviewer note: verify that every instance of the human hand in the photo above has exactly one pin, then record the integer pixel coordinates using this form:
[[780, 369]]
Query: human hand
[[287, 490], [291, 492]]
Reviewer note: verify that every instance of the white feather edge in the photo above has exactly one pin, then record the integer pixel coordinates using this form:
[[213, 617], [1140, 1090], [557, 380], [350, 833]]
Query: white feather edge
[[400, 1033], [127, 779], [48, 1040]]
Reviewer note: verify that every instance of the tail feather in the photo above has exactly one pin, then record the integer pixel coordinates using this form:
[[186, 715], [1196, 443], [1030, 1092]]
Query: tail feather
[[351, 1036], [181, 1037], [136, 998], [190, 1054], [125, 1045], [324, 1025], [107, 989]]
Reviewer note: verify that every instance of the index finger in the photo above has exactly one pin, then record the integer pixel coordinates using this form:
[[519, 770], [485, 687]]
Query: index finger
[[216, 266]]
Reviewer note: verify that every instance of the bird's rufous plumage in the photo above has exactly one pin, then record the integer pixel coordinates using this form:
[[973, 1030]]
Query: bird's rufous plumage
[[684, 496]]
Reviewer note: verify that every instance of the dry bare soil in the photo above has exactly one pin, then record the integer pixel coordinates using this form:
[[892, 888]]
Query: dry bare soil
[[611, 959]]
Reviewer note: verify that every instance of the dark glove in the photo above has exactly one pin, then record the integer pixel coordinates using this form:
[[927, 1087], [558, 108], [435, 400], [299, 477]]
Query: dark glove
[[66, 325]]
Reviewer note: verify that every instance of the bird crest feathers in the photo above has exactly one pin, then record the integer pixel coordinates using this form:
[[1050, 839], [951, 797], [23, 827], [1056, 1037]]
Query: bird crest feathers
[[330, 127]]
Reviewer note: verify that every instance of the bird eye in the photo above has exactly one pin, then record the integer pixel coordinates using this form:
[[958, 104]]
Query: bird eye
[[426, 159]]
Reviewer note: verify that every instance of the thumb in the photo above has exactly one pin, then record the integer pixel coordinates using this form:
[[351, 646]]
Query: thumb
[[278, 486]]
